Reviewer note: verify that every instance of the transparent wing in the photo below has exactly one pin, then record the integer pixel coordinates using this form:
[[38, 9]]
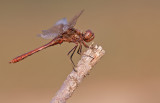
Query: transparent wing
[[60, 27], [73, 21], [62, 21], [54, 31]]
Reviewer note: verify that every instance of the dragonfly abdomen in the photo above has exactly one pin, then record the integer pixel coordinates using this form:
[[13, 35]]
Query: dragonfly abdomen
[[21, 57]]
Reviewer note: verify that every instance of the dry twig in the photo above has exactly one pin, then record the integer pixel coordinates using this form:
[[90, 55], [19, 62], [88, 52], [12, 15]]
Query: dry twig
[[74, 78]]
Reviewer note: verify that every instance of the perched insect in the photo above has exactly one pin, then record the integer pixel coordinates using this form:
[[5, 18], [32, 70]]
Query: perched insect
[[62, 31]]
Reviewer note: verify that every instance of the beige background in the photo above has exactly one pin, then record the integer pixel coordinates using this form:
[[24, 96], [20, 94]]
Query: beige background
[[129, 31]]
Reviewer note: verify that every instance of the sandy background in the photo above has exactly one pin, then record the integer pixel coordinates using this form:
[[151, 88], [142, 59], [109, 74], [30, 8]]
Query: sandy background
[[129, 31]]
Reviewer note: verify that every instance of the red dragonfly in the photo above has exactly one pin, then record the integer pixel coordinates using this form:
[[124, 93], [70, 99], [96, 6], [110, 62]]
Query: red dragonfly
[[62, 31]]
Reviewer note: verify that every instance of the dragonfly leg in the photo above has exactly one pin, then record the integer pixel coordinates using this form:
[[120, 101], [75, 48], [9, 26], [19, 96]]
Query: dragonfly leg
[[87, 47], [74, 49], [85, 44], [71, 50], [79, 51]]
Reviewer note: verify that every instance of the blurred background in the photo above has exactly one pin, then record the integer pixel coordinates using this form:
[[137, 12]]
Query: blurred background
[[128, 30]]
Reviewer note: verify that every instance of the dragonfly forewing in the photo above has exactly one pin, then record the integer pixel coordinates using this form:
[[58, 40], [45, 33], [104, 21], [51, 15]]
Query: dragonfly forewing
[[73, 21], [60, 27], [52, 32], [62, 21]]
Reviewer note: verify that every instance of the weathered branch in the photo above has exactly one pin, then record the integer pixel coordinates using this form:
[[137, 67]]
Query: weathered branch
[[88, 60]]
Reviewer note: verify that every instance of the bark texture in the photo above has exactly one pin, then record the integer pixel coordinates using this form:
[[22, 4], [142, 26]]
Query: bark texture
[[87, 61]]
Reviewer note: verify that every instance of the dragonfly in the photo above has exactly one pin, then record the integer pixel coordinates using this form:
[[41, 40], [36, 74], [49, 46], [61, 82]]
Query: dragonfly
[[62, 31]]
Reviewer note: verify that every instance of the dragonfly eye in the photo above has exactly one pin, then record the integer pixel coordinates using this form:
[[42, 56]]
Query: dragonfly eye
[[88, 36]]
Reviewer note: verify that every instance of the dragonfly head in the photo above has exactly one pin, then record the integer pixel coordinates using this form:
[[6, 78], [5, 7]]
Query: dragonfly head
[[88, 36]]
